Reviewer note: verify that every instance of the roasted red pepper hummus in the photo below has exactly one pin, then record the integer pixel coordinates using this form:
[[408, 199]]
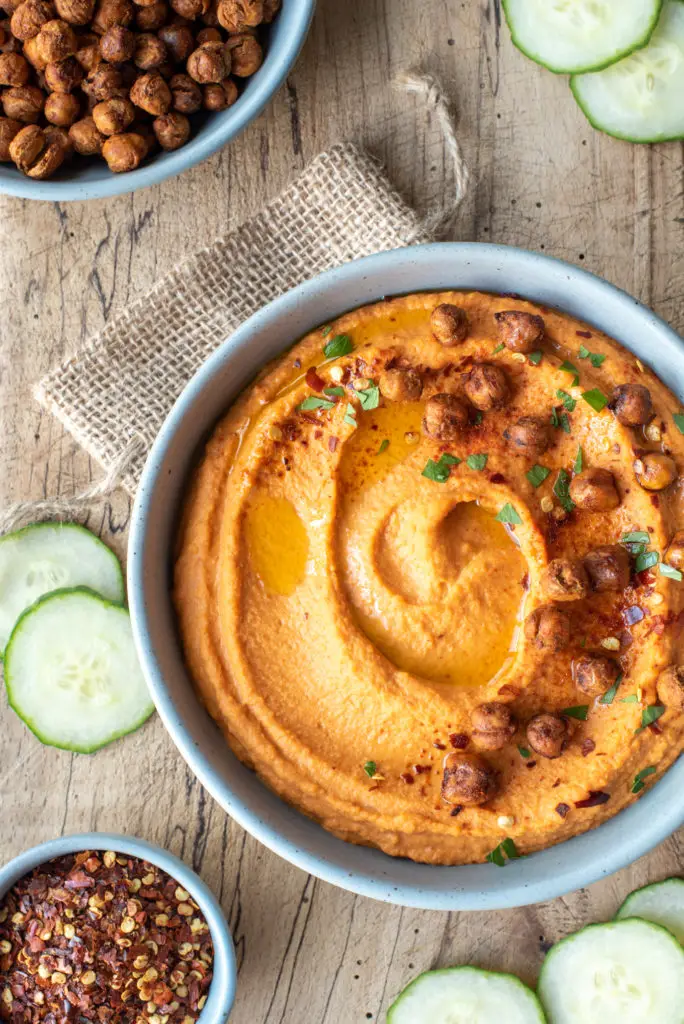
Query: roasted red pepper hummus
[[429, 580]]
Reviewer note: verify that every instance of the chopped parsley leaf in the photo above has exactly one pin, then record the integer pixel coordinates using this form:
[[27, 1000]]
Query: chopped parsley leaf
[[609, 696], [567, 400], [561, 421], [350, 415], [561, 489], [505, 849], [639, 783], [679, 421], [670, 571], [650, 715], [326, 330], [632, 699], [450, 460], [384, 445], [315, 403], [509, 515], [370, 768], [580, 712], [441, 470], [595, 359], [567, 367], [579, 461], [477, 462], [369, 397], [333, 391], [596, 399], [478, 418], [499, 348], [524, 752], [537, 475], [637, 537], [535, 357], [340, 345], [645, 560]]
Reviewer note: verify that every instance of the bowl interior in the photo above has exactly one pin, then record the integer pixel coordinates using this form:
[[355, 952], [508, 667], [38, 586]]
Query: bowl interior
[[222, 989], [541, 876], [89, 179]]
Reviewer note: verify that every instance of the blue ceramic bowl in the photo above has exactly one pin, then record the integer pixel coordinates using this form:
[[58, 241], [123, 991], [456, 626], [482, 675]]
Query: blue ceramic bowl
[[542, 876], [222, 989], [91, 179]]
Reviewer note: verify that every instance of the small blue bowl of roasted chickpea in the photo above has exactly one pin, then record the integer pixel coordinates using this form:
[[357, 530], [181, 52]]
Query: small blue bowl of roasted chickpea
[[111, 929]]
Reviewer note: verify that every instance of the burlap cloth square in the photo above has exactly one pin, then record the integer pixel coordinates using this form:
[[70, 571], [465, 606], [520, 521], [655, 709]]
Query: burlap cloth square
[[114, 395]]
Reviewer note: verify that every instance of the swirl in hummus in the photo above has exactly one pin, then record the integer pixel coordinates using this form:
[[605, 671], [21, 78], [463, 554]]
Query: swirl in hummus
[[429, 576]]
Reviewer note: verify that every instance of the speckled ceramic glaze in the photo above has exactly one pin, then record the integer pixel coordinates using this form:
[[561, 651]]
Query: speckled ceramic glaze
[[91, 179], [222, 989], [542, 876]]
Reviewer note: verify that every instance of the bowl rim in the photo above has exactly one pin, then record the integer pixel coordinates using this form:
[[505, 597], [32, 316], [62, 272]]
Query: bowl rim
[[224, 982], [548, 873], [221, 130]]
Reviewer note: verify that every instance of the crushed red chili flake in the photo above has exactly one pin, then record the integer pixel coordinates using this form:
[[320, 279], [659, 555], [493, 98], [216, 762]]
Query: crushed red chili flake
[[313, 380], [420, 769], [587, 747], [439, 746], [459, 740], [102, 937], [563, 810], [595, 799], [407, 778], [455, 811], [584, 334], [332, 443]]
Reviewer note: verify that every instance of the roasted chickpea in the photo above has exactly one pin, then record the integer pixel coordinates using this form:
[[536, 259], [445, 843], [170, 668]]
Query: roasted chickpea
[[14, 69], [172, 130], [63, 75], [674, 555], [236, 15], [112, 12], [548, 734], [62, 108], [220, 96], [76, 12], [246, 54], [34, 54], [209, 63], [9, 127], [564, 580], [468, 780], [655, 471], [152, 17], [8, 43], [29, 18], [117, 44], [607, 568], [178, 40], [85, 137], [24, 103], [399, 385], [631, 404], [670, 687], [186, 93], [124, 152], [150, 52], [113, 116], [8, 7], [190, 9], [595, 673], [548, 628], [594, 490], [487, 387], [529, 435], [103, 83], [88, 56], [519, 331], [271, 8], [445, 417], [209, 35], [449, 324], [151, 93], [55, 41], [39, 152], [493, 725]]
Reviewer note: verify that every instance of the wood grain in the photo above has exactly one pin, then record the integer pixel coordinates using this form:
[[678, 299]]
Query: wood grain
[[542, 179]]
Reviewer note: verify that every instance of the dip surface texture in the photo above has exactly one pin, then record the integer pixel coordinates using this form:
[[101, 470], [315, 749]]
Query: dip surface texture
[[380, 592]]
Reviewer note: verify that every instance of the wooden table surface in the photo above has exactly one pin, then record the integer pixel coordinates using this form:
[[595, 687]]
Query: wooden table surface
[[542, 179]]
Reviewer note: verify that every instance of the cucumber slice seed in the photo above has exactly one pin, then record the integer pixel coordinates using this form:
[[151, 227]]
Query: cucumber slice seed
[[72, 672], [459, 994], [630, 972], [575, 36], [662, 903], [51, 556], [640, 98]]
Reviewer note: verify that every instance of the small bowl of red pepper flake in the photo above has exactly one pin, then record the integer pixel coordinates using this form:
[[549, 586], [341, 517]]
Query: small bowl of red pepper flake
[[113, 930]]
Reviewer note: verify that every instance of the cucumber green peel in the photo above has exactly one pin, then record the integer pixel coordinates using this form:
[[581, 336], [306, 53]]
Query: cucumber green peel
[[458, 994], [578, 36]]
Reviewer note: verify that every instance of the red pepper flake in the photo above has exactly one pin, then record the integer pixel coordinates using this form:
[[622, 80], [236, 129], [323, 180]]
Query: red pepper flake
[[584, 334], [297, 364], [333, 443], [655, 728], [459, 740], [455, 811], [563, 810], [595, 799], [588, 746], [407, 778], [655, 501], [497, 478], [525, 581], [633, 614], [421, 769], [530, 764], [314, 380], [439, 746]]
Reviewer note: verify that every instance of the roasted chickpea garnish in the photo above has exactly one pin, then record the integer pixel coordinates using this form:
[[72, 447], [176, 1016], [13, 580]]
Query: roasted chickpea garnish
[[186, 93], [113, 116], [607, 568], [594, 490], [209, 35], [548, 628], [152, 17], [172, 130], [62, 109], [445, 417], [468, 780], [519, 331], [9, 127], [124, 152], [398, 385], [76, 12], [191, 9], [39, 152], [29, 18], [85, 137], [595, 673], [271, 8], [150, 51], [655, 471], [493, 725], [104, 82], [112, 12], [219, 96], [117, 44], [14, 69], [564, 580], [671, 687], [548, 734], [24, 103], [209, 63], [236, 15], [674, 554], [63, 75], [55, 41], [151, 93], [529, 435], [487, 387], [178, 40], [449, 324], [632, 404]]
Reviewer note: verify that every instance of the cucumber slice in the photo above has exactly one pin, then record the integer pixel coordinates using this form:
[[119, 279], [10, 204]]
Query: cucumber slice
[[573, 36], [460, 994], [662, 903], [72, 672], [640, 98], [625, 972], [51, 556]]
